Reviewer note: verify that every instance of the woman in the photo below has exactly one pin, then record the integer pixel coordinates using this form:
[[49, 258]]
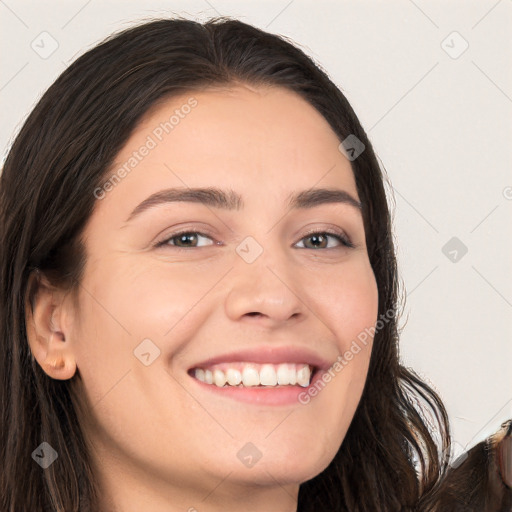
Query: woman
[[200, 290]]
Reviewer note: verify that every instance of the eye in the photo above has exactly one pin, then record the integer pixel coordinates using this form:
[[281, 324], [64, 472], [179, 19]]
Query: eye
[[188, 238], [319, 238]]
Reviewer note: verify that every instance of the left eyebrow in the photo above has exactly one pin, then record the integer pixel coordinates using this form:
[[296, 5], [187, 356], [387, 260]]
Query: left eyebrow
[[230, 200]]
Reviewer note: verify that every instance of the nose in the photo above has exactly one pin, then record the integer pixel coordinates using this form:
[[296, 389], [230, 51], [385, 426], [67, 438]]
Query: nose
[[264, 292]]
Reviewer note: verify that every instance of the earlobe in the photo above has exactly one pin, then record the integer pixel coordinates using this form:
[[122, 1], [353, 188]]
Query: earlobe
[[58, 362], [47, 332]]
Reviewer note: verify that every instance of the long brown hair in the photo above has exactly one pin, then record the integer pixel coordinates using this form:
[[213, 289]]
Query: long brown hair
[[480, 480], [392, 457]]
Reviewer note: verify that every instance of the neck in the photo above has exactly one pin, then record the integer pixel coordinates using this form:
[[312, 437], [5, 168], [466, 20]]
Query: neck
[[127, 490]]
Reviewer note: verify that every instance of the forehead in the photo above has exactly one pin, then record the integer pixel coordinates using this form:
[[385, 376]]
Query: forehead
[[262, 142], [239, 122]]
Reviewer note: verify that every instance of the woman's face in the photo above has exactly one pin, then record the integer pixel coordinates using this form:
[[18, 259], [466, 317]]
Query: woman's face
[[256, 275]]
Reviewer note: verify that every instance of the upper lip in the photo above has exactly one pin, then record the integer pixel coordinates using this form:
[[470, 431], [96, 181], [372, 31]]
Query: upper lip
[[271, 355]]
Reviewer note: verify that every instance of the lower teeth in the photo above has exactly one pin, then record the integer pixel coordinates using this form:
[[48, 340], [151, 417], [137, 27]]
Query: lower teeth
[[259, 386]]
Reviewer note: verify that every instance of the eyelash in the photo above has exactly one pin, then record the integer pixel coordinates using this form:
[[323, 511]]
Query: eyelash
[[342, 238]]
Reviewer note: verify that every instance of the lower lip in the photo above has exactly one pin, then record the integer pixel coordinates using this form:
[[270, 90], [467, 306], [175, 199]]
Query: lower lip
[[285, 395]]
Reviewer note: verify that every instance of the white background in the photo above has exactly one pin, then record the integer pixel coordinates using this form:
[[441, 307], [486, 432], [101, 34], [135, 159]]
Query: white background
[[441, 127]]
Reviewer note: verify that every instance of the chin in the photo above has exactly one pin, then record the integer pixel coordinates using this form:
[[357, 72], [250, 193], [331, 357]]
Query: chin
[[291, 471]]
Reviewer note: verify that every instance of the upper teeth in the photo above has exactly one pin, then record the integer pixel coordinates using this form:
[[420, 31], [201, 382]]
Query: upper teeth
[[252, 374]]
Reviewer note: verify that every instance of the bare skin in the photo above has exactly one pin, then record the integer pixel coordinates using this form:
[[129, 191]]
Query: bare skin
[[161, 441]]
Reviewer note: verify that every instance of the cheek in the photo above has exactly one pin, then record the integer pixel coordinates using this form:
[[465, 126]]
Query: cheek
[[348, 307], [348, 300], [124, 304], [136, 300]]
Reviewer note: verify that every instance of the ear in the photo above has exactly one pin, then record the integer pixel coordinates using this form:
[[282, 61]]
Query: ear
[[48, 319]]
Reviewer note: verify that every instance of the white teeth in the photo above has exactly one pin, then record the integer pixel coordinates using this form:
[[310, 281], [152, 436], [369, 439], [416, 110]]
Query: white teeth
[[286, 375], [303, 376], [252, 374], [234, 377], [219, 377], [268, 375]]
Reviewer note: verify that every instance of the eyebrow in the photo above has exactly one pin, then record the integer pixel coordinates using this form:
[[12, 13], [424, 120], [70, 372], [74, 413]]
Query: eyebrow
[[230, 200]]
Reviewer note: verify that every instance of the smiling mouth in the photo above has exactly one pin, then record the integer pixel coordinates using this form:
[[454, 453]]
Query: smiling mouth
[[253, 375]]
